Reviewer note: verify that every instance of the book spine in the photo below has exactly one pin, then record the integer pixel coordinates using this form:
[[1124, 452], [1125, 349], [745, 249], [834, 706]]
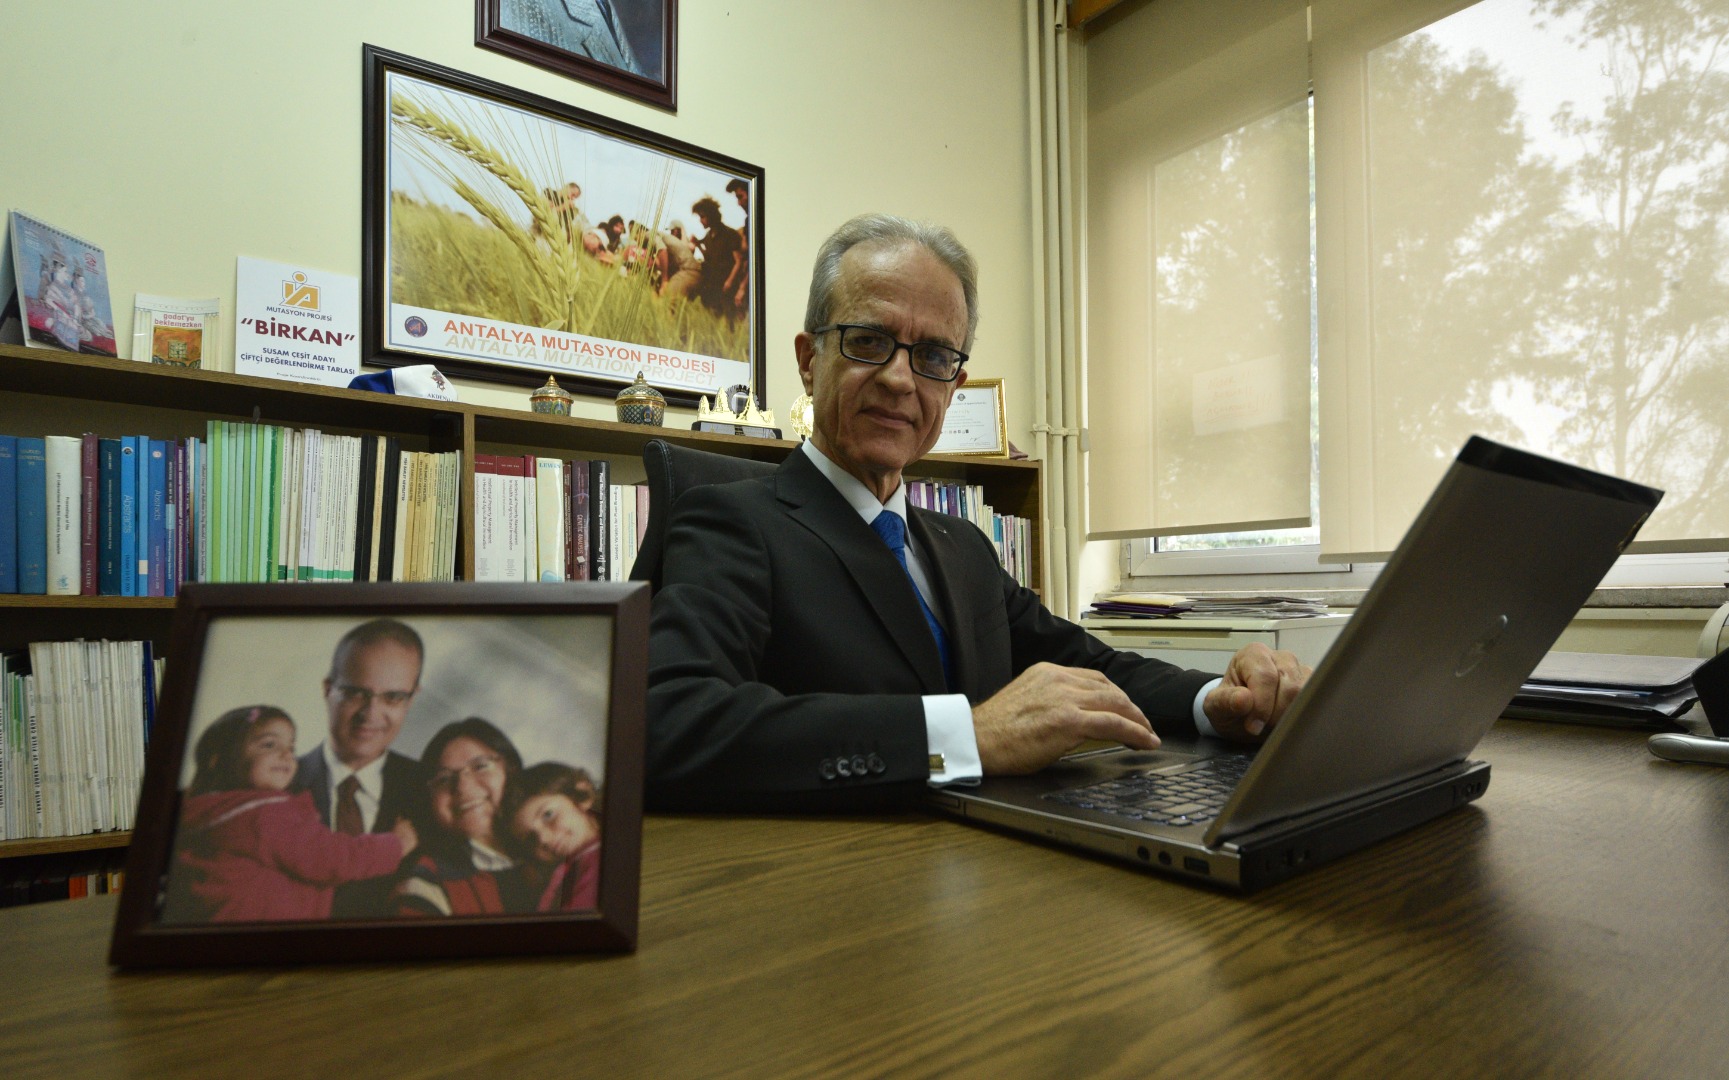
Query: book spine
[[399, 543], [158, 517], [141, 514], [599, 501], [171, 517], [509, 516], [485, 534], [566, 469], [8, 513], [32, 516], [64, 454], [549, 508], [579, 518], [128, 515], [374, 542], [387, 509], [362, 534], [89, 506]]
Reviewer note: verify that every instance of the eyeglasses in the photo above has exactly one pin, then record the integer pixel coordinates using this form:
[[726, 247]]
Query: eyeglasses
[[868, 345], [482, 768], [361, 697]]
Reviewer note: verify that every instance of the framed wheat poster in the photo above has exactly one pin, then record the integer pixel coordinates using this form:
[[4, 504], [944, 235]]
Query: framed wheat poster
[[508, 237]]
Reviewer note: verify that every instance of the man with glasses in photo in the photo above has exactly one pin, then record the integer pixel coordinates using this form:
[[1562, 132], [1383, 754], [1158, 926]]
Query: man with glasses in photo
[[817, 644], [358, 783]]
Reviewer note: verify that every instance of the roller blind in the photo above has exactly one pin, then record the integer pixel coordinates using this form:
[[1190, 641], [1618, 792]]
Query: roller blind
[[1523, 224], [1198, 327]]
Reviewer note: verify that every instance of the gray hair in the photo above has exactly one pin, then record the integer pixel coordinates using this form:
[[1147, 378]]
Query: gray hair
[[888, 229]]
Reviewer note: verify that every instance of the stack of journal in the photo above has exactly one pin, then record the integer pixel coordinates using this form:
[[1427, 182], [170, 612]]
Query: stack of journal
[[1607, 688]]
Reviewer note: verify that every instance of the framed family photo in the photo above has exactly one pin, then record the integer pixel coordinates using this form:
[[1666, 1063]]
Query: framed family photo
[[629, 46], [391, 771], [509, 237]]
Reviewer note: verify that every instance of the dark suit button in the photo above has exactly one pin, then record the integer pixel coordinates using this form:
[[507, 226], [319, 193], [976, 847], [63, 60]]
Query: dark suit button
[[827, 769], [877, 764], [843, 766], [859, 768]]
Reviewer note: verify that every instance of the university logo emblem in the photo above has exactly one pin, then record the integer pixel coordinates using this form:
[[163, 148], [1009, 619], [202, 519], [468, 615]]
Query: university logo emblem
[[415, 325], [298, 294]]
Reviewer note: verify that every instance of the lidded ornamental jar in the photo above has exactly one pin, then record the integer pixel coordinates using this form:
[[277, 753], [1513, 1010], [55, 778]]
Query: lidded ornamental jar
[[552, 399], [640, 403]]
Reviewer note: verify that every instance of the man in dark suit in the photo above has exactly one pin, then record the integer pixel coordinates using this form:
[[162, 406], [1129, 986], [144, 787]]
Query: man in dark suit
[[357, 782], [816, 646]]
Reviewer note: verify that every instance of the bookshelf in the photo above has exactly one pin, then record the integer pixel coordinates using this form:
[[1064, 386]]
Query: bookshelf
[[47, 393]]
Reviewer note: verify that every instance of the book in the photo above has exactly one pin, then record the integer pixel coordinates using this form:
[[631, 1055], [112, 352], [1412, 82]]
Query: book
[[157, 476], [65, 485], [32, 516], [141, 514], [600, 519], [62, 284], [128, 515], [530, 519], [549, 518], [362, 533], [509, 516], [579, 513], [486, 546], [567, 505], [178, 333], [89, 506], [379, 466], [387, 506], [8, 513]]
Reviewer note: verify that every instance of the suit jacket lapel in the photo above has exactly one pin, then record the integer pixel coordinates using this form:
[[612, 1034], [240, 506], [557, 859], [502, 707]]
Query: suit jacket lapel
[[814, 503], [944, 564]]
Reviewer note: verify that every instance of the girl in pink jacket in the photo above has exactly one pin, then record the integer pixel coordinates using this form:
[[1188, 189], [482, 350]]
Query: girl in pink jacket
[[249, 850]]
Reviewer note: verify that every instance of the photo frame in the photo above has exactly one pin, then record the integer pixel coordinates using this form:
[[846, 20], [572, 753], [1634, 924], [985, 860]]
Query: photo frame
[[503, 723], [508, 237], [977, 421], [626, 46]]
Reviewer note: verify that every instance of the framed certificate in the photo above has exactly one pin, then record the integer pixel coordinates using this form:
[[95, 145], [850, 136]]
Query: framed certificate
[[976, 422]]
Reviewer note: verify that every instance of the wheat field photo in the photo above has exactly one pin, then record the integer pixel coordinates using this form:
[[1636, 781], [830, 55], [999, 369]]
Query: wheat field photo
[[506, 215]]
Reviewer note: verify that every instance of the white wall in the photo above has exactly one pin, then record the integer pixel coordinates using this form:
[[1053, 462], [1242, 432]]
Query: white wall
[[181, 133]]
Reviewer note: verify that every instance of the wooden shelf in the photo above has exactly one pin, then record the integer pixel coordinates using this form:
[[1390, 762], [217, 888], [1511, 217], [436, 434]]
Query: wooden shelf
[[124, 603], [60, 845]]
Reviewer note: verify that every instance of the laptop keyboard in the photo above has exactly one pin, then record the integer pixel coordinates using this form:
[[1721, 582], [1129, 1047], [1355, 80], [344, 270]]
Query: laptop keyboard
[[1192, 797]]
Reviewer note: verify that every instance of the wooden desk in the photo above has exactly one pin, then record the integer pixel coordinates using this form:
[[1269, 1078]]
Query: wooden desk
[[1571, 924]]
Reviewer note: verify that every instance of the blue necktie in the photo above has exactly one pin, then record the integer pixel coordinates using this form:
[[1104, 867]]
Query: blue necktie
[[893, 531]]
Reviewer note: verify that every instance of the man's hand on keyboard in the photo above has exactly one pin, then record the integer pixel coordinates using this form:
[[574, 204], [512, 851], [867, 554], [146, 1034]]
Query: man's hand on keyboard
[[1258, 687]]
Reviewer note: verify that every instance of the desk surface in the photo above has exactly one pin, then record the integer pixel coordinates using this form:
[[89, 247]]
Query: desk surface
[[1570, 924]]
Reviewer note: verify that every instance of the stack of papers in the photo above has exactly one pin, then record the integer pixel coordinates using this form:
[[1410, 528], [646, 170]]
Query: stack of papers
[[1607, 688], [1172, 606]]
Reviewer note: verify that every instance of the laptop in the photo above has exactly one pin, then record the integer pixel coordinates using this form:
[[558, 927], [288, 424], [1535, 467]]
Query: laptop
[[1496, 564]]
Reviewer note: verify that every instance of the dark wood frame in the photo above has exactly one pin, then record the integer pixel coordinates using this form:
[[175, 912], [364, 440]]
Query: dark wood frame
[[489, 34], [375, 243], [139, 941]]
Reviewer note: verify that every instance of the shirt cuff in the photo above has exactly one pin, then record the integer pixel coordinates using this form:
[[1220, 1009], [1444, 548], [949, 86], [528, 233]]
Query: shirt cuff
[[1202, 724], [949, 733]]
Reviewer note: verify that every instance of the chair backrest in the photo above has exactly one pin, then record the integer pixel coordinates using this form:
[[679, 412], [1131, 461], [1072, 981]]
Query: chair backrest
[[673, 470]]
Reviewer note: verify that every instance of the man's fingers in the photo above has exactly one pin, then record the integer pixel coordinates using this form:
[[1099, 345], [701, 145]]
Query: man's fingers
[[1116, 728]]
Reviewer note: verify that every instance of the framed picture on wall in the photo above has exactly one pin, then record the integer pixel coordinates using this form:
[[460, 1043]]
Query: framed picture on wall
[[391, 771], [630, 46], [977, 421], [508, 237]]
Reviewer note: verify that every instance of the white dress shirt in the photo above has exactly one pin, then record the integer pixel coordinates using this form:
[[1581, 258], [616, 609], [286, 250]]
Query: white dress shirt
[[948, 717], [371, 789]]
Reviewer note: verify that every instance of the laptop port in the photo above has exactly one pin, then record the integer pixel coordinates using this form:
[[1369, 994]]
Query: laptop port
[[1196, 866], [1146, 856], [1164, 858]]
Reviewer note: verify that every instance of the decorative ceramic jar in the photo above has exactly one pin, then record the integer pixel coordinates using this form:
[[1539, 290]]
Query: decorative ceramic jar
[[551, 398], [640, 403]]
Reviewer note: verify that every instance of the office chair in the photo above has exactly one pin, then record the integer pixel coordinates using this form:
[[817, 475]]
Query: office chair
[[672, 471]]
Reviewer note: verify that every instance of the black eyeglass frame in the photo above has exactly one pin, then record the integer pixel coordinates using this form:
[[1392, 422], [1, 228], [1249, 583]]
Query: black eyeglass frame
[[912, 362]]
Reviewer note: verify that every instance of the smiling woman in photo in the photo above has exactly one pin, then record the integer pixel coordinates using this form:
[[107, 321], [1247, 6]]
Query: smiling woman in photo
[[462, 869]]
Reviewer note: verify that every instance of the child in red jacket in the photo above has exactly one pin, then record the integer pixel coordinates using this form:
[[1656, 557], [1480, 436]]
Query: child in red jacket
[[251, 851], [548, 811]]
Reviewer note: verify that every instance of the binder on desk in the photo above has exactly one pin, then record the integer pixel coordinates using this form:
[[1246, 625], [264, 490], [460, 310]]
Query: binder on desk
[[1607, 688]]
